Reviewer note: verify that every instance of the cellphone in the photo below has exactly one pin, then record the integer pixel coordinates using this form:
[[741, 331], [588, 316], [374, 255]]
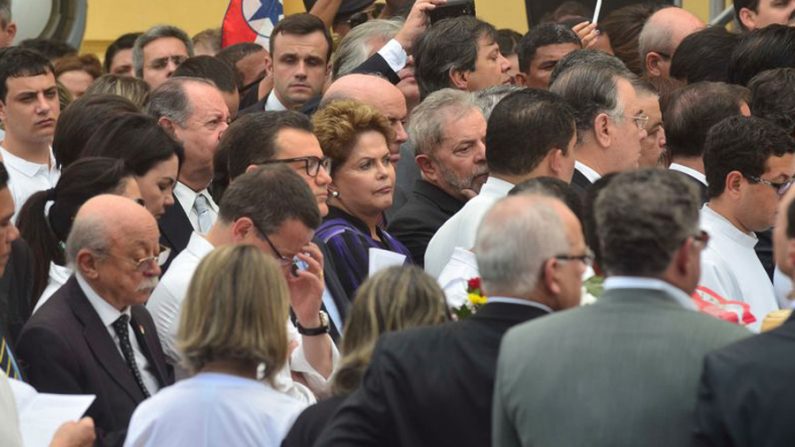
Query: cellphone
[[453, 8], [297, 266]]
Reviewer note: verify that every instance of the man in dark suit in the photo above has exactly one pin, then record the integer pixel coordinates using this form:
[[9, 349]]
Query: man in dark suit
[[743, 390], [449, 132], [95, 336], [193, 111], [610, 121], [433, 386], [622, 371]]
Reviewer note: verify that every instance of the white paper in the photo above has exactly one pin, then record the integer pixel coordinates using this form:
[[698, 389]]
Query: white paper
[[40, 414], [597, 9], [381, 259]]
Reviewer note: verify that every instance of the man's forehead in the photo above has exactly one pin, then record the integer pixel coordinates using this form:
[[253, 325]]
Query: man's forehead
[[296, 143], [314, 42], [44, 81], [166, 43], [452, 131]]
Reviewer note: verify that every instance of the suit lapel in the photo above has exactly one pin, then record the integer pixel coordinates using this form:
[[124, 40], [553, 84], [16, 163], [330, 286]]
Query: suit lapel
[[101, 344], [175, 231], [144, 341]]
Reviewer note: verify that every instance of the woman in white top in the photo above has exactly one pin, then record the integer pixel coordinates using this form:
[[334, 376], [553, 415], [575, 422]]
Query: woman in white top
[[231, 328]]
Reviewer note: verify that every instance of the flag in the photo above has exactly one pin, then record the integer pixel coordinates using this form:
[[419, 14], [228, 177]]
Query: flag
[[250, 21]]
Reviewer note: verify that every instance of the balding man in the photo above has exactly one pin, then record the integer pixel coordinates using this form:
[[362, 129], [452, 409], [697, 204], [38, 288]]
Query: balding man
[[660, 37], [95, 336]]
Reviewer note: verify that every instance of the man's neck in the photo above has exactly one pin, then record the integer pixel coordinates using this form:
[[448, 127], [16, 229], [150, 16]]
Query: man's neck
[[32, 152], [219, 235], [196, 179], [725, 208], [287, 104], [694, 163], [587, 155], [451, 191]]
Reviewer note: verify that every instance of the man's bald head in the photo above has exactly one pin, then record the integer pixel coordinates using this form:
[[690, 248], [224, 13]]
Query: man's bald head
[[378, 93], [661, 36]]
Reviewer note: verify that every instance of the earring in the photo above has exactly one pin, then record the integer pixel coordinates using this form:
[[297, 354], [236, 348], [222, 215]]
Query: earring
[[335, 194]]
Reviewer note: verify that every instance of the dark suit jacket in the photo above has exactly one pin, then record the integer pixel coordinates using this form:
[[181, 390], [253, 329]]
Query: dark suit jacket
[[175, 231], [308, 109], [16, 290], [376, 64], [65, 349], [311, 422], [746, 395], [702, 189], [580, 183], [418, 220], [429, 386]]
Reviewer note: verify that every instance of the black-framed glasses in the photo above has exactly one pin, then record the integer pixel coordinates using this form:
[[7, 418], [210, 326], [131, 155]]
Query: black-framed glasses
[[312, 164], [780, 187], [284, 261], [586, 258]]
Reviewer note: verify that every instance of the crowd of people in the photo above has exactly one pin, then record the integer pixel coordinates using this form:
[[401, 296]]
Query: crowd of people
[[385, 230]]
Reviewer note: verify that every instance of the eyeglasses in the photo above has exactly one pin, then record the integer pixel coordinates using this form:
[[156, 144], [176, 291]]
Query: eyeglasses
[[284, 261], [586, 259], [150, 262], [312, 164], [780, 187], [663, 55], [640, 120], [161, 63], [702, 237]]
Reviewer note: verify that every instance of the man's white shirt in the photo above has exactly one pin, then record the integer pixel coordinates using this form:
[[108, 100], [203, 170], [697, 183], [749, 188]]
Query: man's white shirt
[[26, 178]]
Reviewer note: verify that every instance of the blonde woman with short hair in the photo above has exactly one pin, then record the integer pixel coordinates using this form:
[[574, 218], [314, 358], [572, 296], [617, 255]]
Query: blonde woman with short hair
[[231, 333]]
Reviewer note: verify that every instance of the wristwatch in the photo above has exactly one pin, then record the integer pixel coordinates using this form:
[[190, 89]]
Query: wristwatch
[[320, 330]]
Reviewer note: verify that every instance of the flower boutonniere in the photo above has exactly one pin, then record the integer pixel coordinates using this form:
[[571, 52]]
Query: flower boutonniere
[[475, 300]]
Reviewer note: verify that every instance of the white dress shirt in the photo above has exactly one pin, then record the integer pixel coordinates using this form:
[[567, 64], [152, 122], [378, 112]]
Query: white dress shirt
[[213, 409], [272, 104], [109, 314], [394, 55], [186, 197], [165, 305], [587, 171], [57, 277], [456, 274], [635, 282], [26, 178], [460, 229], [730, 267], [689, 171]]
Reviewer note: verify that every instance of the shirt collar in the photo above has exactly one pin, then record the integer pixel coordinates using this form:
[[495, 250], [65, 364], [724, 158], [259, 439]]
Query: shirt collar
[[186, 196], [636, 282], [272, 104], [508, 300], [107, 313], [715, 220], [587, 171], [689, 171], [26, 167], [496, 187], [199, 246]]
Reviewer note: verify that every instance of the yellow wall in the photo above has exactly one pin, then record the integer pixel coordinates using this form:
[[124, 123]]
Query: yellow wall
[[108, 19]]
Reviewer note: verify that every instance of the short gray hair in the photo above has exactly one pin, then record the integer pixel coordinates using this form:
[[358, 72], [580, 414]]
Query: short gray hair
[[89, 233], [642, 218], [514, 239], [591, 90], [357, 45], [488, 98], [171, 101], [152, 34], [429, 119], [655, 36]]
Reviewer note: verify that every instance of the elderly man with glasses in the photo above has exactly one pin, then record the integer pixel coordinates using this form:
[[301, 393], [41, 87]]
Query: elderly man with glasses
[[749, 164]]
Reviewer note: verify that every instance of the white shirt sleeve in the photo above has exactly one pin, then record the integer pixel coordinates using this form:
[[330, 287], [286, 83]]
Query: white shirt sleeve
[[164, 308], [299, 364], [394, 55]]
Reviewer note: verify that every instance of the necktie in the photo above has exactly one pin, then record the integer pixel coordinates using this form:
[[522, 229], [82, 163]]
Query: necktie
[[7, 362], [121, 328], [202, 207]]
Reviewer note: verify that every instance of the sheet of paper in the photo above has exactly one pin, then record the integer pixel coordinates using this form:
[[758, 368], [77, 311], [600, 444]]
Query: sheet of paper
[[40, 414], [381, 259]]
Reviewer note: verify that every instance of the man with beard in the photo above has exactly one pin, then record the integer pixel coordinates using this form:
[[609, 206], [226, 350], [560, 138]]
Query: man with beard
[[448, 133], [530, 133]]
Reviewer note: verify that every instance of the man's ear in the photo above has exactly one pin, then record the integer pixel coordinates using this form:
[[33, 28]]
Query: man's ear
[[521, 79], [250, 168], [11, 30], [601, 130], [167, 125], [652, 63], [86, 263], [556, 161], [459, 78], [747, 18], [734, 180], [550, 278], [241, 228], [3, 114], [426, 166]]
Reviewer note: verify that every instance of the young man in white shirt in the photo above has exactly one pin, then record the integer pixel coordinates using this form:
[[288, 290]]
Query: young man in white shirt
[[29, 110], [749, 164]]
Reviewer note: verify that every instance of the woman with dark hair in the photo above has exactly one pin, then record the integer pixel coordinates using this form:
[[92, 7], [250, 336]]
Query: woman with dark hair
[[147, 150], [80, 120], [45, 229]]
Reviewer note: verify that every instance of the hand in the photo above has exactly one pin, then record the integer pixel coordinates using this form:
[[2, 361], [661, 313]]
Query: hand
[[587, 33], [75, 434], [306, 289], [416, 22]]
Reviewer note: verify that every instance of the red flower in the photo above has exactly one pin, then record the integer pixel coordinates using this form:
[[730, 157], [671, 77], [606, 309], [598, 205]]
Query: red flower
[[473, 284]]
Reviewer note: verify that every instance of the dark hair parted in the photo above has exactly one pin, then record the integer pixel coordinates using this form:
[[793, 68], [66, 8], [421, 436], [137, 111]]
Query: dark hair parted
[[744, 144], [124, 42], [773, 97], [763, 49], [691, 111], [251, 139], [50, 48], [80, 121], [269, 196], [18, 62], [524, 127], [448, 45], [704, 55], [623, 27], [541, 36], [302, 25], [339, 124], [79, 182], [209, 67], [137, 139], [508, 41], [642, 218], [586, 57]]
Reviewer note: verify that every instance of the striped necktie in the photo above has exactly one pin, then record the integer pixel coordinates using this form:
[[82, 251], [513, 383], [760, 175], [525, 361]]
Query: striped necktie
[[7, 362]]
